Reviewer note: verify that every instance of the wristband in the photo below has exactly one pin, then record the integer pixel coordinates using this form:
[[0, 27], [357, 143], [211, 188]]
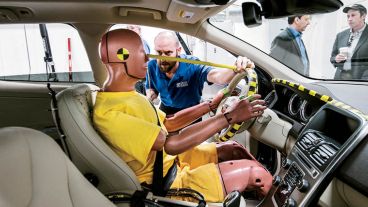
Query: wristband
[[210, 106], [228, 119]]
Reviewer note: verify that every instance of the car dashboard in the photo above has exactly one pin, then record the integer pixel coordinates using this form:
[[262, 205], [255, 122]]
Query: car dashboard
[[294, 106], [326, 132]]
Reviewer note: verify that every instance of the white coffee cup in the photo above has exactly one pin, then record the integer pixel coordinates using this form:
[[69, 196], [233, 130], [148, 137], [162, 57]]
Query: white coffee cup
[[344, 51]]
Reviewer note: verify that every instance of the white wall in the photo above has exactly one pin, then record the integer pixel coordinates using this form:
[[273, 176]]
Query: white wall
[[21, 49]]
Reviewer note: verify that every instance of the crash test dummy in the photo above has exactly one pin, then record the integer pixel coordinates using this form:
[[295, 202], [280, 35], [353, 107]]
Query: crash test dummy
[[136, 130]]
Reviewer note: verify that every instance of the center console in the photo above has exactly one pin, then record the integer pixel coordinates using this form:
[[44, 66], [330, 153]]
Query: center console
[[324, 142]]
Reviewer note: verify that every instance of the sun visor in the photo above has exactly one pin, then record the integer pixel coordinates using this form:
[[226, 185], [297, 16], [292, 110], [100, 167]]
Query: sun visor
[[272, 9]]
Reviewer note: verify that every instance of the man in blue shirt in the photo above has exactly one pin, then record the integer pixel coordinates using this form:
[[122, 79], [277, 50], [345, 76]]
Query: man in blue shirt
[[288, 46], [180, 84]]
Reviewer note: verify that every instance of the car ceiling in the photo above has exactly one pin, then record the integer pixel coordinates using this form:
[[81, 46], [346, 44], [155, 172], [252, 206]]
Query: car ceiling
[[153, 12]]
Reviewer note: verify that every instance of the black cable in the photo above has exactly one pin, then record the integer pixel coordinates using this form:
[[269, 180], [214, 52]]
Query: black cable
[[29, 60], [56, 117], [187, 192], [138, 199]]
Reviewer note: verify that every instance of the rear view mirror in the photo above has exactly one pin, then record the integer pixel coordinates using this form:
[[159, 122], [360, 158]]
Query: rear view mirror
[[282, 8], [209, 2], [251, 14]]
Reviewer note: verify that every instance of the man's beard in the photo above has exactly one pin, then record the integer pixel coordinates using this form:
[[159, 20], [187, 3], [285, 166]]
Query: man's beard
[[167, 68]]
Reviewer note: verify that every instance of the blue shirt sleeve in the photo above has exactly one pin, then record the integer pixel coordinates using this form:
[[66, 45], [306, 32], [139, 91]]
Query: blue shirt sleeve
[[201, 70], [204, 72]]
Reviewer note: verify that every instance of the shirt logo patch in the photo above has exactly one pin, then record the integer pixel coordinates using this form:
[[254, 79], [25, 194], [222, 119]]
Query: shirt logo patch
[[182, 84]]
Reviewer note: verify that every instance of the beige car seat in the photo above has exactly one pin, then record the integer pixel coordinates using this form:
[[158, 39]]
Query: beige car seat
[[88, 151], [35, 172]]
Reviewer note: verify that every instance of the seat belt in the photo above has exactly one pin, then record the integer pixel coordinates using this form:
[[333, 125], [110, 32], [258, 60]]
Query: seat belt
[[56, 118], [157, 180], [161, 184], [157, 183]]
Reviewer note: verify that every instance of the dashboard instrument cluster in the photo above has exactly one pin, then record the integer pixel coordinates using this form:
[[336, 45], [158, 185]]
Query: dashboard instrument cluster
[[296, 105]]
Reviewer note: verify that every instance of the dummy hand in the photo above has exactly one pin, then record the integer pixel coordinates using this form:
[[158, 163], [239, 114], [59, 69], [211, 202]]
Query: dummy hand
[[340, 58], [216, 100], [244, 110], [242, 63]]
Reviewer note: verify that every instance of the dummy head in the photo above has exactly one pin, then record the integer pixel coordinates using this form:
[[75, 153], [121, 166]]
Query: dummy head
[[122, 49]]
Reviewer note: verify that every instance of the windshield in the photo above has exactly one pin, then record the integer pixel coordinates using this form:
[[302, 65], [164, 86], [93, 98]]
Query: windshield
[[322, 46]]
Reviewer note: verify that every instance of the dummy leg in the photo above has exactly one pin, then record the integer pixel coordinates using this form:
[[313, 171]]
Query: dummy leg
[[232, 150], [245, 175]]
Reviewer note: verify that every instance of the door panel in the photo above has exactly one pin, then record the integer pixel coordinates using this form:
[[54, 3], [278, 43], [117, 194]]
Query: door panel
[[26, 104]]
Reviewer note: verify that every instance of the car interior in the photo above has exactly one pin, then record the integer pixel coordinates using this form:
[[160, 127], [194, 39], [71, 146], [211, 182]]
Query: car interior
[[312, 137]]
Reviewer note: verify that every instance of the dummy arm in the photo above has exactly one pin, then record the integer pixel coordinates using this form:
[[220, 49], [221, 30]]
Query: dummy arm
[[195, 134], [186, 116]]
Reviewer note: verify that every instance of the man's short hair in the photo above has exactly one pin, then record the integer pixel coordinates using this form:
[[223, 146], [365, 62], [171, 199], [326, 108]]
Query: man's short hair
[[292, 18], [169, 34], [357, 7]]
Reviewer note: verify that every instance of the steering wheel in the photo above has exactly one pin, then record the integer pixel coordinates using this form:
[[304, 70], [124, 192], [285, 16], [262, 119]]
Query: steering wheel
[[250, 89]]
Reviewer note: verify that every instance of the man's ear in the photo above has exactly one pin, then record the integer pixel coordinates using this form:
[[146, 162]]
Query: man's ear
[[178, 51]]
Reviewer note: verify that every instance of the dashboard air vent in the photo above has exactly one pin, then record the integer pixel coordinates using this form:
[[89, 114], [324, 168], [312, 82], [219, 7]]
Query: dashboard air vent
[[318, 148]]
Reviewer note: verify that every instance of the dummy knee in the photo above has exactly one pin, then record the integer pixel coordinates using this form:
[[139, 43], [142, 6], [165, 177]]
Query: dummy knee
[[232, 150], [245, 175]]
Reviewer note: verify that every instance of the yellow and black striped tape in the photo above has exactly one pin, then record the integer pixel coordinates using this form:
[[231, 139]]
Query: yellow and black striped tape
[[321, 97], [253, 89]]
